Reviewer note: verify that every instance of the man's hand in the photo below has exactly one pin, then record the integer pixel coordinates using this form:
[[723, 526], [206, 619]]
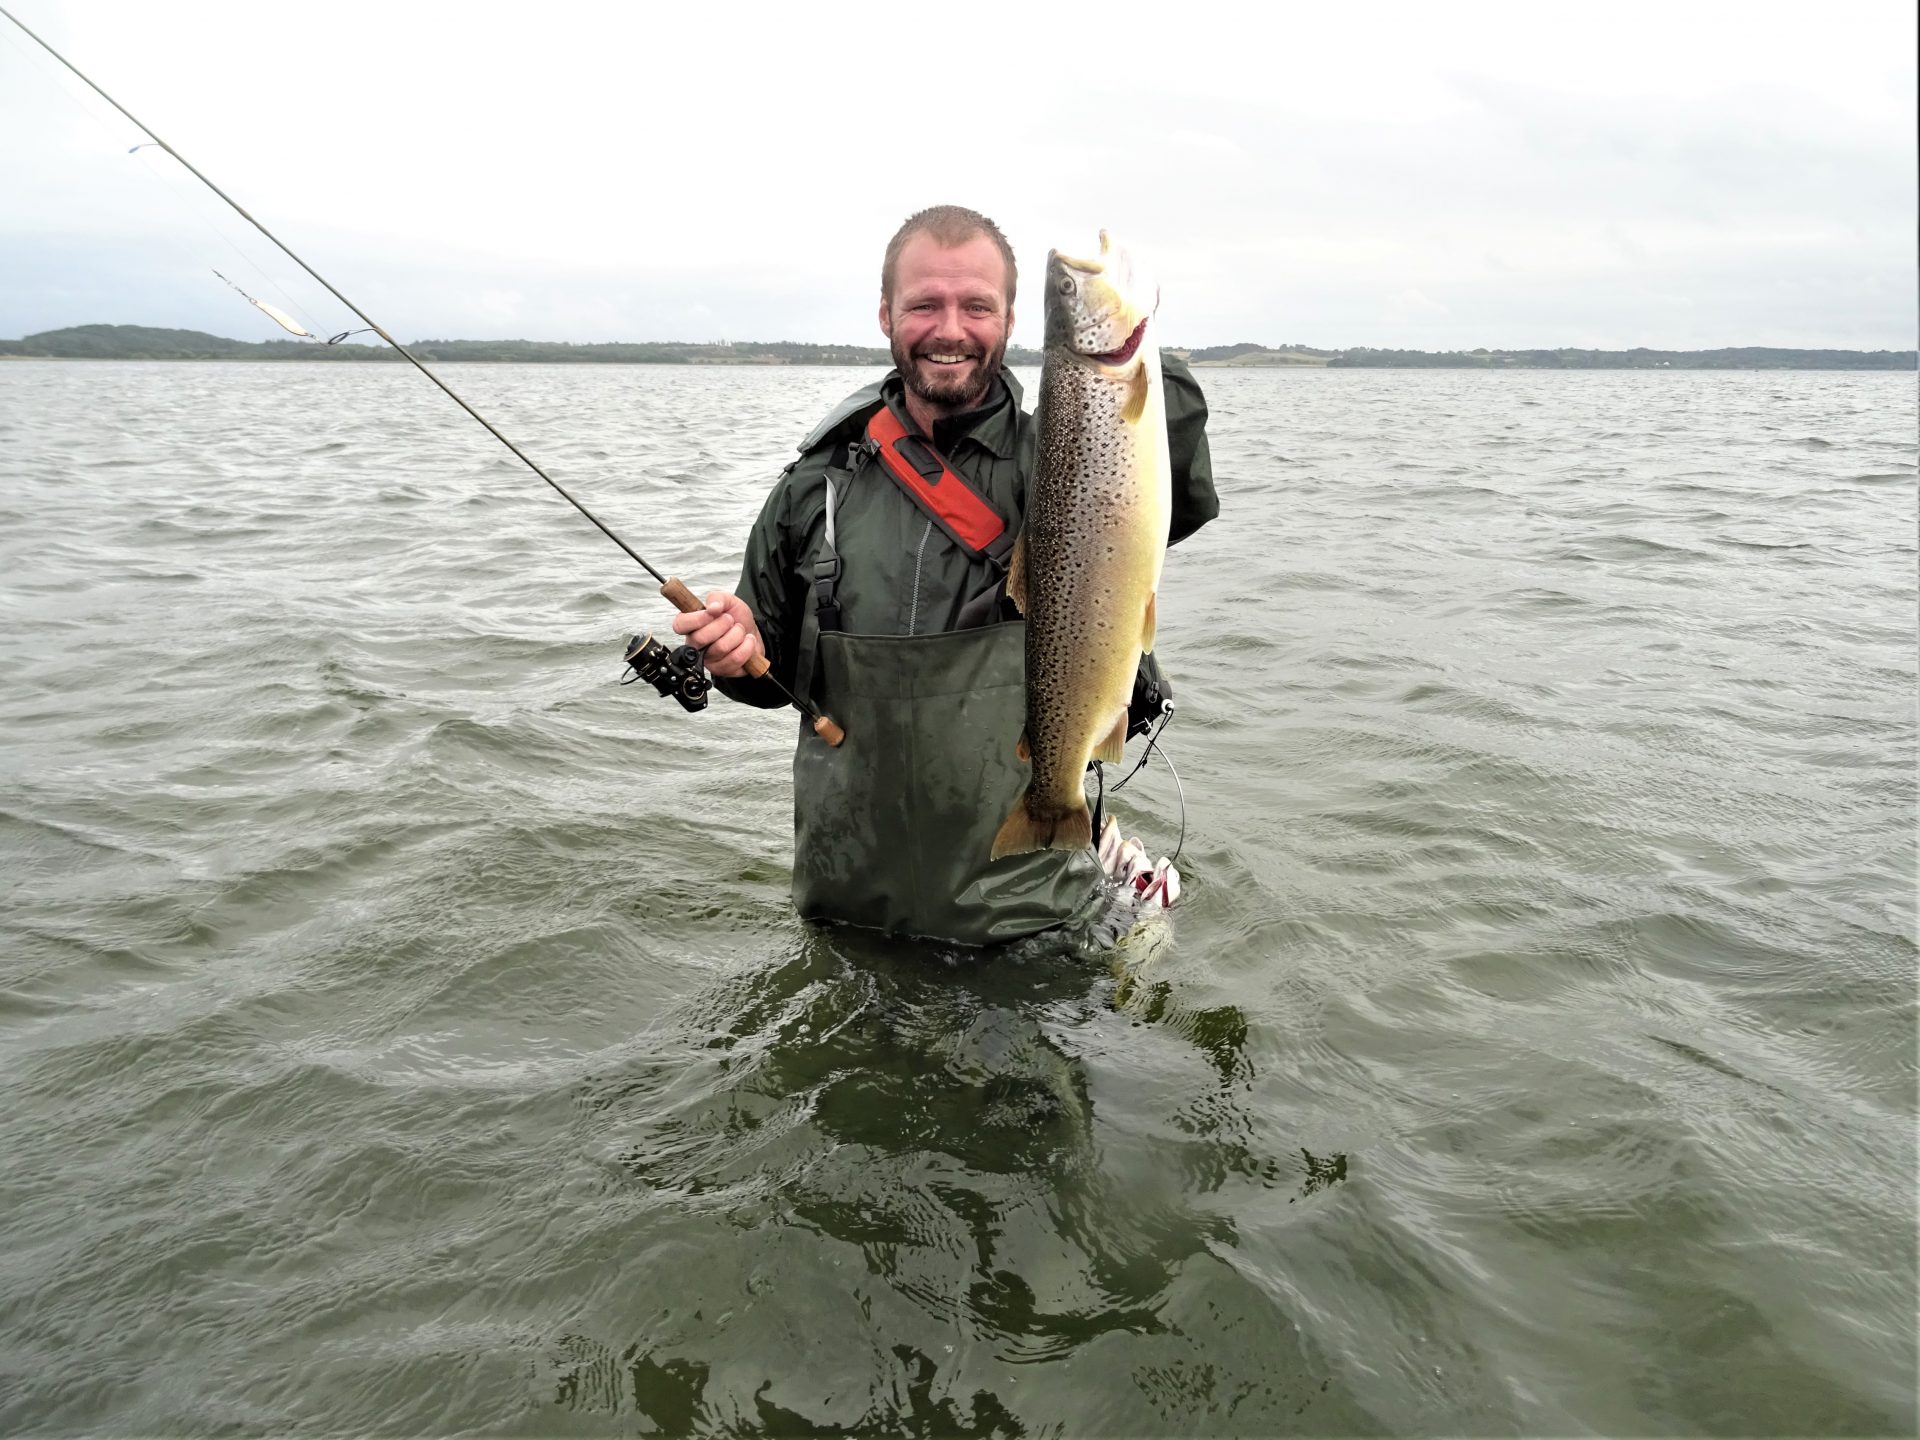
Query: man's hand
[[725, 630]]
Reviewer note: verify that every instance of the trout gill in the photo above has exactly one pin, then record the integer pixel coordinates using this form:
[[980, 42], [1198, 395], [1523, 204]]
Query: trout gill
[[1086, 566]]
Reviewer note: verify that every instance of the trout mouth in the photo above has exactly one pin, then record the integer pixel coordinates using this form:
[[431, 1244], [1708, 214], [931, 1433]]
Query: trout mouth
[[1127, 351]]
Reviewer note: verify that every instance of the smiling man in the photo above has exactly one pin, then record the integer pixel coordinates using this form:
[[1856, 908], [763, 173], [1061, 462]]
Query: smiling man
[[874, 582], [946, 308]]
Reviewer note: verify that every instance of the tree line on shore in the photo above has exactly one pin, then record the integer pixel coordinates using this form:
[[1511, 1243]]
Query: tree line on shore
[[142, 342], [1742, 357]]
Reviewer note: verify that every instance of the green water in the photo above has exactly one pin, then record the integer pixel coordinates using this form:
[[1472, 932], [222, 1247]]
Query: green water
[[404, 1030]]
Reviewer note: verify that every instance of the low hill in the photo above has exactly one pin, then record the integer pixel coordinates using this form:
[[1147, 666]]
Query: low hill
[[143, 342], [131, 342], [1749, 357], [1245, 356]]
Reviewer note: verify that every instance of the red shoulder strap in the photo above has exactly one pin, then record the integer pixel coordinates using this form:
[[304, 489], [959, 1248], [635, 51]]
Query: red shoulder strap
[[933, 485]]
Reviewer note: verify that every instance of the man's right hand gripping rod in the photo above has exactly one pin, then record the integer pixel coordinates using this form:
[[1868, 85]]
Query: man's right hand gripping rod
[[823, 726]]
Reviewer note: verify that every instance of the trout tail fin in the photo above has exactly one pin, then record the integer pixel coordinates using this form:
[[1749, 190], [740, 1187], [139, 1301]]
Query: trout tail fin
[[1032, 825]]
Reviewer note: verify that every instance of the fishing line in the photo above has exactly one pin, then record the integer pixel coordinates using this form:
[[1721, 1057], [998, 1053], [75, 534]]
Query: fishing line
[[285, 321], [372, 324], [676, 591], [195, 209], [189, 204]]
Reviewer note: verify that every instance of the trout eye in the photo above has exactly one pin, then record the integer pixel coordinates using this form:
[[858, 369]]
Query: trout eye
[[1065, 285]]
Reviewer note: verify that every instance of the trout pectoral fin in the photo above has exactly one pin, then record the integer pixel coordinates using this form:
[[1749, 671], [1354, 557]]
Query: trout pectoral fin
[[1110, 749], [1017, 577], [1150, 624], [1136, 405], [1022, 748]]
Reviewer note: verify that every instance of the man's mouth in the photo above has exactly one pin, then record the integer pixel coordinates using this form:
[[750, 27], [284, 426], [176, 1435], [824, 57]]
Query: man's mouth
[[937, 358]]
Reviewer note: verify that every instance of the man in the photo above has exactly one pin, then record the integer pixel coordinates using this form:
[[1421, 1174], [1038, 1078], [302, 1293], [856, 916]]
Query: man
[[886, 613]]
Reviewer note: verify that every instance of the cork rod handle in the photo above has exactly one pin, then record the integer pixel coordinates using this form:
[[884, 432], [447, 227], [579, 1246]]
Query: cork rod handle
[[683, 600]]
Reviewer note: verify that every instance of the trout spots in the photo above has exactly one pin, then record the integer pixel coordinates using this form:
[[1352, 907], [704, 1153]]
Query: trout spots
[[1096, 516]]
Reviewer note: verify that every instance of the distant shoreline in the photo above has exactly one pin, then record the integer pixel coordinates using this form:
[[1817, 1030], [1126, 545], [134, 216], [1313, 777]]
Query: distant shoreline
[[140, 342]]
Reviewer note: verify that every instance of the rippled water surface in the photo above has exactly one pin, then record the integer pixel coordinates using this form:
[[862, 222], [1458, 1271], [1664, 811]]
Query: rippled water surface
[[403, 1028]]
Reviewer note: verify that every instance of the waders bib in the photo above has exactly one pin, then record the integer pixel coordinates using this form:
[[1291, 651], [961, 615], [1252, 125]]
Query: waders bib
[[892, 829]]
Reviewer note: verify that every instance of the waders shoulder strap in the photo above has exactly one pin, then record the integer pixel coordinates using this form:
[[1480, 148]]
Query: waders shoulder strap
[[823, 577], [938, 489]]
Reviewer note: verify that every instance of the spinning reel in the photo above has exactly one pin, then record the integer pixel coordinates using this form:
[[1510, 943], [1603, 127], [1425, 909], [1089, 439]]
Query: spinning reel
[[679, 673]]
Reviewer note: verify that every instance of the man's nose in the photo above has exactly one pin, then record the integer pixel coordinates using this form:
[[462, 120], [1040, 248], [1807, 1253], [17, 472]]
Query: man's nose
[[951, 326]]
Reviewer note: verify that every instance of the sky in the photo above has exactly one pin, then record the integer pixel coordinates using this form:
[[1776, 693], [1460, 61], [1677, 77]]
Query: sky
[[1681, 175]]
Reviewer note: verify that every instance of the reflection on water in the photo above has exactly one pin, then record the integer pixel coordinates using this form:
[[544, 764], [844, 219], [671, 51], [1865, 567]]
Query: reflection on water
[[926, 1117]]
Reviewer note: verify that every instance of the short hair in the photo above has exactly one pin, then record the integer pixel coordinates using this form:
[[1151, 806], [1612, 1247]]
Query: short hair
[[949, 225]]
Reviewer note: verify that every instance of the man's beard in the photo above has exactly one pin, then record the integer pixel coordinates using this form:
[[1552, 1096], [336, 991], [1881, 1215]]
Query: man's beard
[[953, 394]]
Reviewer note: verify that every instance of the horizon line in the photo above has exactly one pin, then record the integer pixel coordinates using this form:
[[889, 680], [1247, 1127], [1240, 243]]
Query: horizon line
[[1036, 349]]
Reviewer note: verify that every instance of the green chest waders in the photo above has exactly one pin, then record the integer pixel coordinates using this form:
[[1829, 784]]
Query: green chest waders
[[893, 828]]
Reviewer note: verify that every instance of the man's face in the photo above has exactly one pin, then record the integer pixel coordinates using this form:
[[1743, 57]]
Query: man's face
[[948, 321]]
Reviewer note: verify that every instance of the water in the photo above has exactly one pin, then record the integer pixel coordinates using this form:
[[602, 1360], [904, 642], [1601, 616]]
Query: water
[[405, 1031]]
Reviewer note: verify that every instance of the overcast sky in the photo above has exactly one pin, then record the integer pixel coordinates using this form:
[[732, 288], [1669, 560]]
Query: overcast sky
[[1682, 174]]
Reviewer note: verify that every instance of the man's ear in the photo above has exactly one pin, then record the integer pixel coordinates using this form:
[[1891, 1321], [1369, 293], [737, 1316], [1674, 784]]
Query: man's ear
[[886, 319]]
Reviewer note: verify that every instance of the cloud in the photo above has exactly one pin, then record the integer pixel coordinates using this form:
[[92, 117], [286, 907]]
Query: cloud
[[1393, 175]]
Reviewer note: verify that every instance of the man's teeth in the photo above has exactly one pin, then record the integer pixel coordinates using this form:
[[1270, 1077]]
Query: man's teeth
[[949, 359]]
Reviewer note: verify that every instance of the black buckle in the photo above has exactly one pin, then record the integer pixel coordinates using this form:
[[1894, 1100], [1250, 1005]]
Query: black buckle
[[927, 464], [826, 575]]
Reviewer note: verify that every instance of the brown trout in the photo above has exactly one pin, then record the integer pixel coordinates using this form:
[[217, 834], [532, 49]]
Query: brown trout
[[1087, 564]]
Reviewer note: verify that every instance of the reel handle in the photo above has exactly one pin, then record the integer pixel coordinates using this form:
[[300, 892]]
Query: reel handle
[[683, 600]]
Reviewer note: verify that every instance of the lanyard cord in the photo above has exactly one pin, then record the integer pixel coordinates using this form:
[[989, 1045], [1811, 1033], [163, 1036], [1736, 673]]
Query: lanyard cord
[[1153, 747]]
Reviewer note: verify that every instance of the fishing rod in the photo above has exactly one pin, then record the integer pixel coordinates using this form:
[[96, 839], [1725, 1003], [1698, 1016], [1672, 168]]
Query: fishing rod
[[674, 673]]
